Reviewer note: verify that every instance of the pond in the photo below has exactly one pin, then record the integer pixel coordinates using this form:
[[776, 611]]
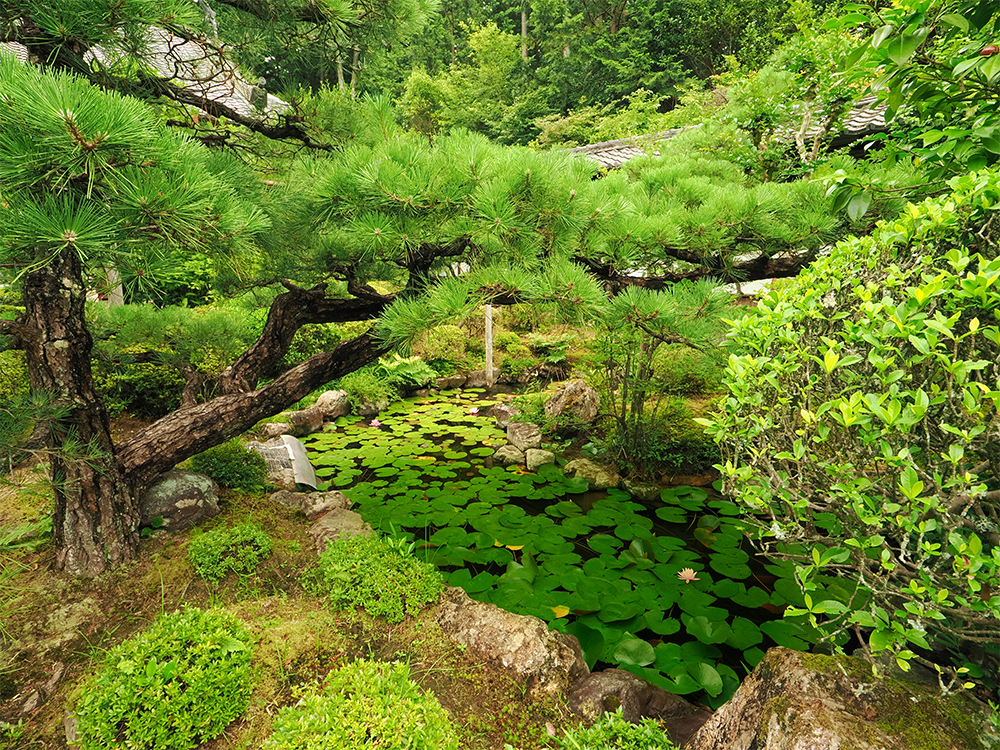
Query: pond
[[671, 593]]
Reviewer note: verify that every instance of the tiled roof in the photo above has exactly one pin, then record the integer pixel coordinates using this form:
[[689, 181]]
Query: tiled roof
[[202, 69], [865, 118]]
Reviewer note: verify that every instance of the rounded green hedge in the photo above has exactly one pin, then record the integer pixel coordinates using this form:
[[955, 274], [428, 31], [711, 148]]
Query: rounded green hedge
[[171, 687], [366, 704]]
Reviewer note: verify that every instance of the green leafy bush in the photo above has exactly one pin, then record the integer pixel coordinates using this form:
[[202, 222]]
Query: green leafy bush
[[145, 389], [312, 339], [684, 371], [861, 422], [365, 704], [411, 372], [172, 687], [378, 575], [221, 551], [365, 386], [443, 348], [612, 732], [233, 465]]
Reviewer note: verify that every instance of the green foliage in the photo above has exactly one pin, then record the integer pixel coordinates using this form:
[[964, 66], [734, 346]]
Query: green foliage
[[408, 373], [312, 339], [444, 348], [368, 386], [637, 324], [172, 687], [13, 375], [378, 575], [936, 62], [233, 465], [365, 704], [861, 422], [683, 371], [612, 732], [239, 550]]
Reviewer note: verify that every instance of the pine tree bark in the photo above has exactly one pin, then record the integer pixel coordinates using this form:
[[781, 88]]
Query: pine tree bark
[[95, 515]]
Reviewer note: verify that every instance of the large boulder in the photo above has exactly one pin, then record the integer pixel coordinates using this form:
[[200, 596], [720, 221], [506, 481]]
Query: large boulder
[[504, 413], [535, 458], [644, 492], [797, 701], [338, 523], [602, 692], [329, 406], [312, 504], [547, 661], [180, 498], [524, 435], [508, 455], [599, 477], [447, 382], [477, 379], [574, 403]]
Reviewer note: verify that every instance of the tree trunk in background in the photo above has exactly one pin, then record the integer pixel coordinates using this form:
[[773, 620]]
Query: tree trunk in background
[[95, 517], [524, 33]]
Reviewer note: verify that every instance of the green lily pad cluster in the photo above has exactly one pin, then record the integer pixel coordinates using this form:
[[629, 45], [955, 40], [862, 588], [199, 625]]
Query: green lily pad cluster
[[672, 595]]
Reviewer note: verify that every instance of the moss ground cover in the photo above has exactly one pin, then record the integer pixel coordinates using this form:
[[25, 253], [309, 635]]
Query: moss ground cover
[[669, 593]]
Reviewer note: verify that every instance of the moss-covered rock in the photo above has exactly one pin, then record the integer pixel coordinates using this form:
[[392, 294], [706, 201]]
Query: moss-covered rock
[[797, 701]]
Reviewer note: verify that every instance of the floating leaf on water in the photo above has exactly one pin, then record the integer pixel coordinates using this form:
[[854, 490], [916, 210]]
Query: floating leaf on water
[[671, 514], [787, 634], [635, 651], [754, 597], [617, 610], [744, 634], [602, 543], [731, 563], [560, 611], [576, 485], [707, 676], [657, 622], [753, 657], [706, 630], [591, 641], [512, 547]]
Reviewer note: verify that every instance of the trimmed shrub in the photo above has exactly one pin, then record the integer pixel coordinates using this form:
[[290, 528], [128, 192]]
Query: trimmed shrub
[[237, 550], [612, 732], [365, 704], [172, 687], [378, 575], [233, 465]]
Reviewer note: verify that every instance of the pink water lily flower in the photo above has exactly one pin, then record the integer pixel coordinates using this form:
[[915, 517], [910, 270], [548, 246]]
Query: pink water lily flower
[[687, 575], [376, 423], [474, 410]]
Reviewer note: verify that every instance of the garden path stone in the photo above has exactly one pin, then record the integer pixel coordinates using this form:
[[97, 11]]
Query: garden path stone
[[312, 504], [534, 458], [798, 701], [338, 523], [603, 692], [508, 455], [524, 435], [547, 661], [576, 399], [181, 498], [599, 477]]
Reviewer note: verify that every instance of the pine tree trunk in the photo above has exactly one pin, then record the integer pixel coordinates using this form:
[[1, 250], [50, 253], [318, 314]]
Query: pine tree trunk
[[95, 517]]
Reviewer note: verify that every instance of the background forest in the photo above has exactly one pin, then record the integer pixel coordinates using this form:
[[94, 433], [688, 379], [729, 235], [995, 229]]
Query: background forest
[[211, 211]]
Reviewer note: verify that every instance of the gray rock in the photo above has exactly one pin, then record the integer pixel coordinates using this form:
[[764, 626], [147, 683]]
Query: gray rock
[[422, 392], [575, 401], [368, 409], [646, 492], [181, 498], [333, 404], [476, 379], [446, 382], [312, 504], [283, 478], [797, 701], [535, 458], [270, 430], [603, 692], [503, 413], [508, 455], [547, 661], [336, 524], [306, 421], [524, 435], [599, 477]]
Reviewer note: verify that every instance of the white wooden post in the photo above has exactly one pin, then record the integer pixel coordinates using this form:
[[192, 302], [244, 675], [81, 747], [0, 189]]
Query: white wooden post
[[489, 344]]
